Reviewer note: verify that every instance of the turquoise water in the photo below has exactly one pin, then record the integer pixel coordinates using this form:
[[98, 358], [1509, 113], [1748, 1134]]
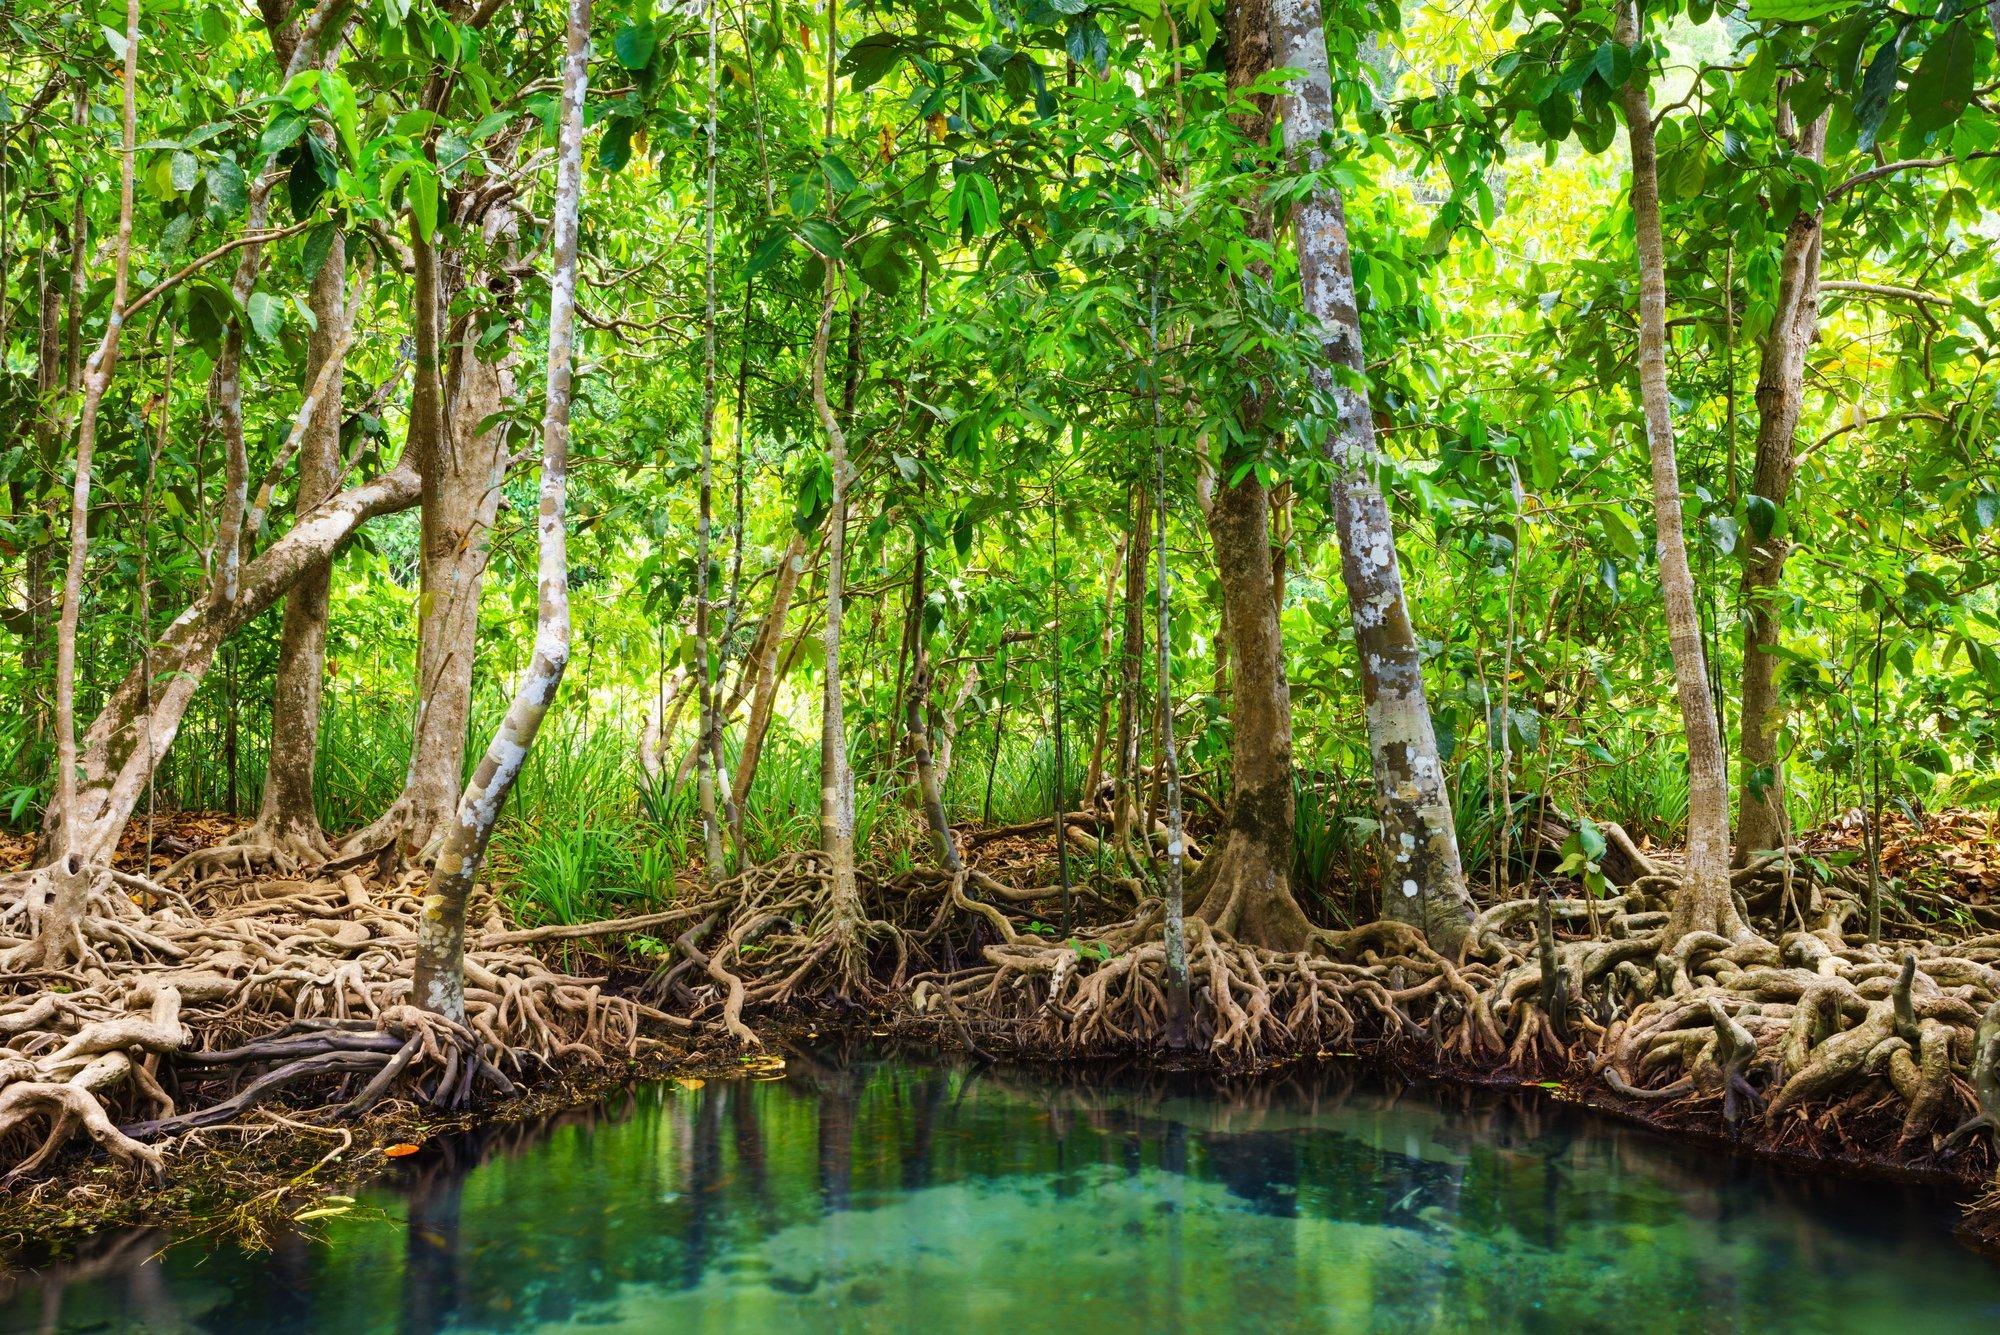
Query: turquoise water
[[867, 1193]]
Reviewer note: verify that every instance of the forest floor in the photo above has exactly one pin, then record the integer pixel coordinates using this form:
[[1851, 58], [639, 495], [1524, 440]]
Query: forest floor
[[978, 963]]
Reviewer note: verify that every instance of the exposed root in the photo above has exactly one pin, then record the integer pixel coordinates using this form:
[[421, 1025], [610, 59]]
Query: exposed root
[[267, 847], [140, 1024]]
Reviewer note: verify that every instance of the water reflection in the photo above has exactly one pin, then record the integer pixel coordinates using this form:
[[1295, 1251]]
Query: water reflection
[[864, 1193]]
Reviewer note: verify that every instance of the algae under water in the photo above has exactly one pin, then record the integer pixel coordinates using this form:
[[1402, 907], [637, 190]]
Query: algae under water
[[864, 1192]]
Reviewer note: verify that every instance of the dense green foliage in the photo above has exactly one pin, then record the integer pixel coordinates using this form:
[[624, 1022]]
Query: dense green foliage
[[1048, 224]]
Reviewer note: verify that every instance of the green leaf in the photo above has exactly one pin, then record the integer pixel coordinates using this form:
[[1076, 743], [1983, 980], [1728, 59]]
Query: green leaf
[[869, 60], [422, 194], [226, 186], [115, 40], [1620, 531], [186, 171], [1796, 11], [1942, 85], [767, 252], [634, 45], [283, 131], [1557, 113], [822, 236], [267, 315], [338, 95], [1614, 64], [1878, 85], [319, 245], [839, 178], [1761, 514], [615, 149]]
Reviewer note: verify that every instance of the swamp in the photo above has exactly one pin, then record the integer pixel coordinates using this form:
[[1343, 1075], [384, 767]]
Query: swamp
[[1007, 664]]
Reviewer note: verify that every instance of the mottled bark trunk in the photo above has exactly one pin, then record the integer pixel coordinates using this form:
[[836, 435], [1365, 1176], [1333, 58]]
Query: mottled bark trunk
[[463, 473], [1244, 886], [708, 745], [844, 916], [438, 983], [1423, 881], [1125, 770], [1174, 929], [1760, 773], [1703, 902], [287, 813]]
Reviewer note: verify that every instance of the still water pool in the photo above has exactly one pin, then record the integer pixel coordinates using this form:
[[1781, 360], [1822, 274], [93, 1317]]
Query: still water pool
[[866, 1193]]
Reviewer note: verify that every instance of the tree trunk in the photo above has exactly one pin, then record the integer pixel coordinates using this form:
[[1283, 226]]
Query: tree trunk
[[1703, 903], [463, 473], [761, 665], [1244, 886], [114, 758], [438, 983], [1174, 929], [1125, 769], [916, 705], [96, 380], [288, 816], [1094, 778], [708, 744], [1423, 882], [1761, 822], [844, 915]]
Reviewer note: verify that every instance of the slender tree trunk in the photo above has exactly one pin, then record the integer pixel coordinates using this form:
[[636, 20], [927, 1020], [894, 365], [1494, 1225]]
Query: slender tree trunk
[[288, 815], [1125, 772], [1244, 885], [1057, 808], [1423, 881], [1179, 1001], [916, 705], [1094, 779], [844, 915], [708, 745], [761, 666], [59, 927], [1703, 902], [38, 594], [439, 980], [1760, 772]]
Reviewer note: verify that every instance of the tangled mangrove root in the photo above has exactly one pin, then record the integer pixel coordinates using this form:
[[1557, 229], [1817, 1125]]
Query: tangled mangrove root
[[136, 1012], [770, 938], [154, 1014]]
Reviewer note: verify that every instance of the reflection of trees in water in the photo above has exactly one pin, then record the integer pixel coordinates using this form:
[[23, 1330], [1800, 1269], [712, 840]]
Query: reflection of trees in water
[[121, 1266], [664, 1185], [431, 1244]]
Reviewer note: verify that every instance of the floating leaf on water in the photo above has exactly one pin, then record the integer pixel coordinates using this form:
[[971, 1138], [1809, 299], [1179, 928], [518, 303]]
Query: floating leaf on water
[[690, 1081], [401, 1151]]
